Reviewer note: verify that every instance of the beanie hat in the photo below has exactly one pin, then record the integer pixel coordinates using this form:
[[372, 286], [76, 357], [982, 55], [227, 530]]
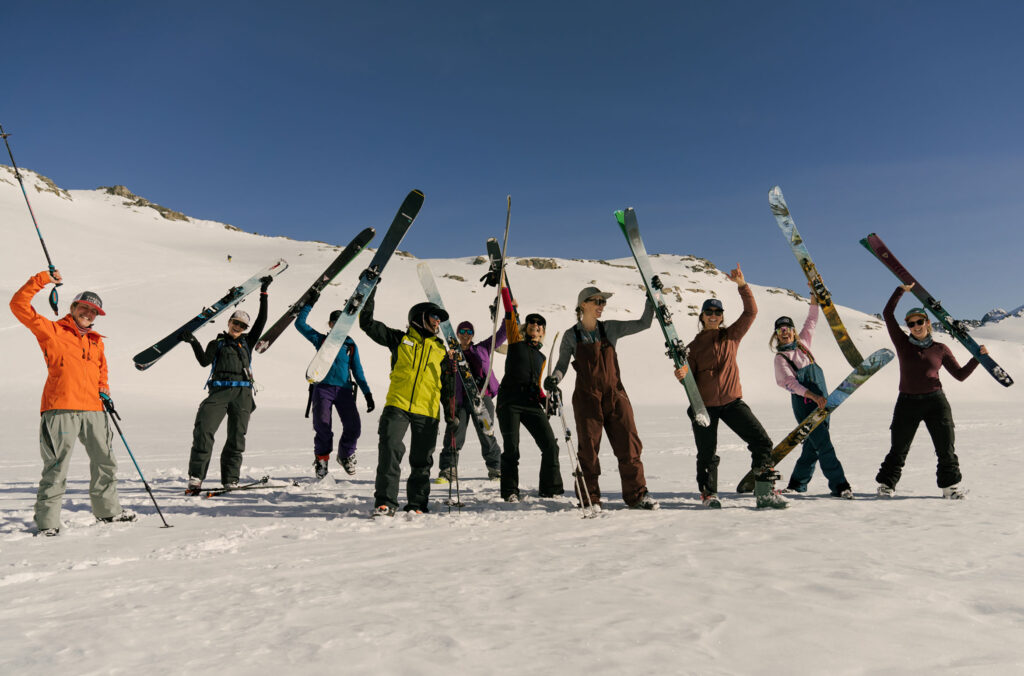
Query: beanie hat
[[466, 325]]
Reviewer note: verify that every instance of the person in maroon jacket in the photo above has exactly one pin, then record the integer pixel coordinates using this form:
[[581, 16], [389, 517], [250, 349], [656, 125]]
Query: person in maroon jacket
[[921, 398], [712, 356]]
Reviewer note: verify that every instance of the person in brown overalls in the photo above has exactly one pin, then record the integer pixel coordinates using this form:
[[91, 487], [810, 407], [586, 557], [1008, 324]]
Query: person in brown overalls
[[599, 400]]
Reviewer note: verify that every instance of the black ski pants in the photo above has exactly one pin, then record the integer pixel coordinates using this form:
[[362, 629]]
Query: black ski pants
[[533, 418], [740, 419], [237, 404], [911, 410], [394, 422]]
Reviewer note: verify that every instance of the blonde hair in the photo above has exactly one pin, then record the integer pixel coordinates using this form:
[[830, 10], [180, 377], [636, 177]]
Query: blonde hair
[[773, 343]]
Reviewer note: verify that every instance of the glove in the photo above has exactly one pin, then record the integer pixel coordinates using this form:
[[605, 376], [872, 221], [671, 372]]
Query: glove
[[550, 383], [265, 283], [369, 403], [186, 337], [312, 298]]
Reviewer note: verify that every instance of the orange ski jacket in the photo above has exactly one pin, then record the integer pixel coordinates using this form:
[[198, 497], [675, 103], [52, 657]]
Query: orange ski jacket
[[76, 363]]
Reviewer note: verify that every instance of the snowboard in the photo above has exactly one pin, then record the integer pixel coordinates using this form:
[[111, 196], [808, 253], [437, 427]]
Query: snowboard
[[234, 296], [676, 350], [344, 258], [956, 328], [469, 387], [867, 368], [324, 358], [777, 203]]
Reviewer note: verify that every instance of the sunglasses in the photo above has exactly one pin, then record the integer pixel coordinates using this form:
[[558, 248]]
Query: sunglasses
[[916, 322], [714, 312], [598, 301], [536, 322], [466, 332], [241, 325]]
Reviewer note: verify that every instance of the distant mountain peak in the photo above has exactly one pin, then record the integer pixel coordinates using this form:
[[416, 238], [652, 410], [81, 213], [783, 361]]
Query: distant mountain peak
[[136, 201]]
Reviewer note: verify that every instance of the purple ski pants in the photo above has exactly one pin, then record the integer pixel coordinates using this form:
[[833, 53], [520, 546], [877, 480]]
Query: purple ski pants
[[326, 397]]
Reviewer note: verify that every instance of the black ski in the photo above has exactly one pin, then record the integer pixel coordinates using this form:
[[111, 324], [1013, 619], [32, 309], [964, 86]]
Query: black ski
[[234, 296], [333, 270]]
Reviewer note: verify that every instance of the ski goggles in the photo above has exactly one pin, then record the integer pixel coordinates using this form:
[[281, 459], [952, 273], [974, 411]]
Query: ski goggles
[[465, 332]]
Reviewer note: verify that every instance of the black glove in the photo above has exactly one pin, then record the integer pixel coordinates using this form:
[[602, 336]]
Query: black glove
[[312, 297], [369, 403], [186, 337], [265, 283], [550, 384]]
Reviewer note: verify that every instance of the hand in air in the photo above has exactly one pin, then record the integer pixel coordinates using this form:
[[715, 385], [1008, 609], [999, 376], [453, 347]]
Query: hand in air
[[736, 275]]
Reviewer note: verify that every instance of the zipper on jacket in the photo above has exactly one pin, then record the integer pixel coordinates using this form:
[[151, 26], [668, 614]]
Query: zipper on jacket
[[416, 378]]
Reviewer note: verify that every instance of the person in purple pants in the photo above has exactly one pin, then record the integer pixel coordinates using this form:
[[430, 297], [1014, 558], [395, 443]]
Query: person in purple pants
[[336, 391], [478, 355]]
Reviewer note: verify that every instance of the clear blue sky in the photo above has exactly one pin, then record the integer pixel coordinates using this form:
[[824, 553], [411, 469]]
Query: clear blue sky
[[313, 120]]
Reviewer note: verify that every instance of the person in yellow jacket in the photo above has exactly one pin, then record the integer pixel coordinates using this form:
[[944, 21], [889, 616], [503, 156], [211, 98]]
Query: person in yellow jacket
[[71, 407], [422, 379]]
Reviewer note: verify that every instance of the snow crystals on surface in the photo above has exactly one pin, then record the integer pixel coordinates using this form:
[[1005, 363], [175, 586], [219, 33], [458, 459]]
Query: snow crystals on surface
[[300, 579]]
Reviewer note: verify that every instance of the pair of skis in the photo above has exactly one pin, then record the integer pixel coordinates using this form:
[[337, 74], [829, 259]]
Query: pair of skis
[[325, 356]]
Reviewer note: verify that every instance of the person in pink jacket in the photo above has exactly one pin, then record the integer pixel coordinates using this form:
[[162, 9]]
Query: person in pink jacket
[[797, 372]]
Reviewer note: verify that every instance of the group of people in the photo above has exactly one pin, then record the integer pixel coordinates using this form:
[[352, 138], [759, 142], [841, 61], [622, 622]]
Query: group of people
[[426, 388]]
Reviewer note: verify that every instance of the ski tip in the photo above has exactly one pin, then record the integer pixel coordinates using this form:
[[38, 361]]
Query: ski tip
[[620, 216]]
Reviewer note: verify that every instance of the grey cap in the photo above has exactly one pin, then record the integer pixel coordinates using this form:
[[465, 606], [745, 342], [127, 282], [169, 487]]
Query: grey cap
[[590, 292], [241, 316]]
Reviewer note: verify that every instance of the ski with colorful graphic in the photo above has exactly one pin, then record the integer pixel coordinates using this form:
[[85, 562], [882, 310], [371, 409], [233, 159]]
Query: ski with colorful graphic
[[234, 296], [955, 327], [777, 203], [333, 270], [867, 368], [469, 386], [676, 350], [324, 358]]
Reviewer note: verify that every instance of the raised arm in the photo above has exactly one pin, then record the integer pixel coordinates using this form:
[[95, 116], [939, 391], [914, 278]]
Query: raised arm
[[615, 329], [307, 331]]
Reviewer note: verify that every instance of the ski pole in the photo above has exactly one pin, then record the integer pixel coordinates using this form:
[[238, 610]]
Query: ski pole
[[577, 471], [108, 406], [17, 175]]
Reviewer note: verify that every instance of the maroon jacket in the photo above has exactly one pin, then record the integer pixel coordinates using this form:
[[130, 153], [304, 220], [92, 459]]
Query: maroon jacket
[[919, 366], [713, 356]]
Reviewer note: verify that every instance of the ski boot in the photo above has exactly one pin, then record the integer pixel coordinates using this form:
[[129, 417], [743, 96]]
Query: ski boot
[[446, 476], [954, 493], [348, 464], [645, 502], [126, 516], [195, 484], [711, 501], [493, 474], [383, 510], [320, 466], [764, 490]]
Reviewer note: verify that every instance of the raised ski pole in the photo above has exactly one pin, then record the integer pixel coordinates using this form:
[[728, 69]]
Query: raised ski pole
[[108, 406], [17, 175]]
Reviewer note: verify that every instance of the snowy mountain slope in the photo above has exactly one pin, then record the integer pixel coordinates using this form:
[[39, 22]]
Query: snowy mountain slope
[[297, 579]]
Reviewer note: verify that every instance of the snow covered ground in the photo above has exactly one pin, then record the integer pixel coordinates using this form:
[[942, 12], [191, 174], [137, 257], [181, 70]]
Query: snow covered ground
[[298, 579]]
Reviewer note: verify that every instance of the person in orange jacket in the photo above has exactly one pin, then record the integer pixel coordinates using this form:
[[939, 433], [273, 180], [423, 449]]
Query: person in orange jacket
[[71, 407]]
